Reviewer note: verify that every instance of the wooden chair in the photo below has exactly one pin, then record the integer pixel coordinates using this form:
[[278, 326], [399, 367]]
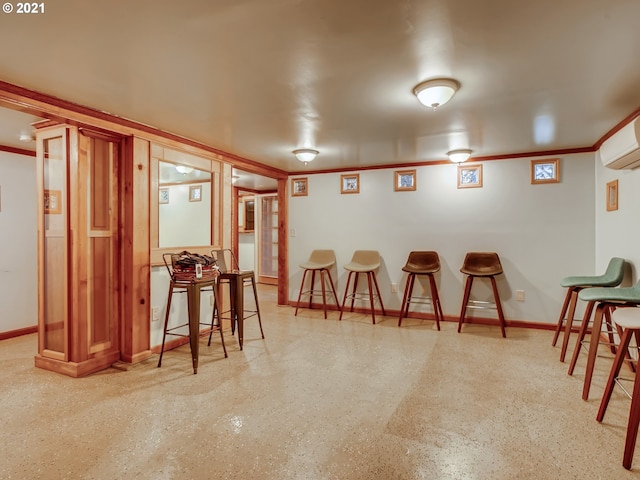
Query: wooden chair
[[481, 265], [320, 261], [363, 262], [421, 263]]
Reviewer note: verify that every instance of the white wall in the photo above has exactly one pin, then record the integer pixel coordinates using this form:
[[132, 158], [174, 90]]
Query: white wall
[[618, 232], [541, 232], [182, 222], [18, 242]]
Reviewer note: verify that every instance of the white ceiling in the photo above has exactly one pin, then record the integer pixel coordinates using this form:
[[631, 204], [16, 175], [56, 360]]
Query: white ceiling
[[259, 78]]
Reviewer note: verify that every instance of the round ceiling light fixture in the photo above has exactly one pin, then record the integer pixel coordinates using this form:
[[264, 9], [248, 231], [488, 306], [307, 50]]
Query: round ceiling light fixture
[[460, 155], [436, 92], [305, 155], [183, 169]]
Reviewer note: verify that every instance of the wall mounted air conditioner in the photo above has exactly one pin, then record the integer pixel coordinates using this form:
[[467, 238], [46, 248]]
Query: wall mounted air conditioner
[[622, 149]]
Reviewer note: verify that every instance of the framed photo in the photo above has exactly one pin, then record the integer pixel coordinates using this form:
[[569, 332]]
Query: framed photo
[[52, 202], [545, 171], [405, 180], [299, 187], [164, 195], [612, 196], [470, 176], [195, 193], [350, 183]]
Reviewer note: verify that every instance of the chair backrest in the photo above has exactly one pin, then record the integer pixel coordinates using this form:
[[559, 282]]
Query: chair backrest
[[324, 257], [481, 264], [366, 257], [427, 261], [221, 259], [614, 274]]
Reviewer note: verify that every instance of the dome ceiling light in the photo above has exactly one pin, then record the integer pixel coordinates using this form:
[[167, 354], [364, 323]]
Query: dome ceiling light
[[305, 155], [460, 155], [436, 92]]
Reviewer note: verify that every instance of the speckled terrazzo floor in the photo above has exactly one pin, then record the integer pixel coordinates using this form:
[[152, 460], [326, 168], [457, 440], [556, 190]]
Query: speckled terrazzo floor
[[318, 399]]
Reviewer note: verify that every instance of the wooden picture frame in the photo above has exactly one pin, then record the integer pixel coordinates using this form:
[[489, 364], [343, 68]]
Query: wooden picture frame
[[52, 202], [163, 196], [545, 171], [195, 193], [404, 180], [350, 183], [299, 187], [612, 196], [470, 176]]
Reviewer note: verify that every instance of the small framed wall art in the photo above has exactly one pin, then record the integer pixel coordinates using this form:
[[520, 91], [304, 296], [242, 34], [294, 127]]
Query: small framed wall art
[[612, 196], [545, 171], [52, 202], [350, 183], [299, 187], [164, 195], [404, 180], [195, 193], [470, 176]]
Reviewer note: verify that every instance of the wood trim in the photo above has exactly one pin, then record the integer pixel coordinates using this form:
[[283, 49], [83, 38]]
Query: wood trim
[[18, 332], [283, 241], [17, 151], [78, 369], [53, 108]]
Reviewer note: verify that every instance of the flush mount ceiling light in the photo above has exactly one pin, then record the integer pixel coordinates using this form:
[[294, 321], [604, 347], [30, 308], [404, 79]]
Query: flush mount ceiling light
[[460, 155], [436, 92], [184, 170], [25, 137], [305, 155]]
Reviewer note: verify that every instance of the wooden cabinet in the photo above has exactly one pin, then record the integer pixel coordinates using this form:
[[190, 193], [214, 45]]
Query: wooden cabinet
[[78, 250]]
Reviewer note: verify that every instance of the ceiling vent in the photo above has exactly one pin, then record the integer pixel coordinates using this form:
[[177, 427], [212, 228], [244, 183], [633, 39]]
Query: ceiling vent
[[622, 149]]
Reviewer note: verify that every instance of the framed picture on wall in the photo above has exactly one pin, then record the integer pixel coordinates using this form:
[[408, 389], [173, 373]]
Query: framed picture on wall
[[164, 195], [612, 196], [470, 176], [299, 187], [350, 183], [195, 193], [52, 202], [545, 171], [404, 180]]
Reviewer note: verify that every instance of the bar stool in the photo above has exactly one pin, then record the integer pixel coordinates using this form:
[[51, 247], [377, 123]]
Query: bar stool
[[611, 278], [421, 263], [482, 265], [237, 280], [193, 287], [319, 261], [606, 300], [367, 262], [627, 319]]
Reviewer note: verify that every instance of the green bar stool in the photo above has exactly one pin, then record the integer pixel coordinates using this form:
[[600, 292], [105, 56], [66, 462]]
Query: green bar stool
[[606, 300], [612, 277]]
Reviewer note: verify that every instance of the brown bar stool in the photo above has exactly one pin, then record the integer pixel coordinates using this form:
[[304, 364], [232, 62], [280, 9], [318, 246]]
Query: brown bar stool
[[611, 278], [319, 261], [627, 319], [421, 263], [182, 284], [367, 262], [234, 276], [483, 265]]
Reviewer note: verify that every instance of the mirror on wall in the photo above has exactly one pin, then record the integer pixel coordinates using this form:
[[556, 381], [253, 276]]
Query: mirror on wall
[[184, 206]]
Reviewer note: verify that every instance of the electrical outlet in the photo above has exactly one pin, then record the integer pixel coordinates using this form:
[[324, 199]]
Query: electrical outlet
[[293, 232], [520, 295], [155, 314], [394, 287]]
